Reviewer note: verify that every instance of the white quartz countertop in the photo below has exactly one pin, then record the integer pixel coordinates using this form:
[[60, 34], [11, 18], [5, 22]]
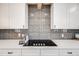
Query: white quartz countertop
[[60, 44], [67, 43], [9, 44]]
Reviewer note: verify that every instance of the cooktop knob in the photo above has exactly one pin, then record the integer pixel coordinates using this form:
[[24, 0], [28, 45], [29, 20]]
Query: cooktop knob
[[36, 44], [39, 44], [33, 44], [43, 44]]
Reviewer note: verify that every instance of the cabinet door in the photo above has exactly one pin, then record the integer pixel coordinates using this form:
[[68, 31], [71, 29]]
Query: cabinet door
[[49, 52], [17, 15], [74, 16], [4, 19], [59, 14], [30, 52]]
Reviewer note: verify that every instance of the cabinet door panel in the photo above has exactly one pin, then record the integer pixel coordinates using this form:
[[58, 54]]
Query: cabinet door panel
[[4, 20], [31, 52], [49, 52], [74, 16], [59, 16], [17, 15]]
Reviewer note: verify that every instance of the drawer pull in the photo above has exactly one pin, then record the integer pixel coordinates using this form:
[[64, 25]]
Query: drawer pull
[[69, 52], [10, 52]]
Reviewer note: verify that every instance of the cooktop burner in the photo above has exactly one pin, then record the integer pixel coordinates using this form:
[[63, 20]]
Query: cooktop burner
[[40, 43]]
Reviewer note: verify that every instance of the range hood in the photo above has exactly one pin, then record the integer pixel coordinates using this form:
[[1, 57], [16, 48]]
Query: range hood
[[39, 5]]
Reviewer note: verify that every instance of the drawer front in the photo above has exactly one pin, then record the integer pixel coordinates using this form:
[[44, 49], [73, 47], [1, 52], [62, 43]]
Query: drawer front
[[49, 52], [10, 52], [30, 52], [69, 52]]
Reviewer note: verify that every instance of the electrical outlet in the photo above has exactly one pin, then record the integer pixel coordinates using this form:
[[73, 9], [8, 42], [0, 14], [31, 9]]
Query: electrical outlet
[[62, 35], [19, 34]]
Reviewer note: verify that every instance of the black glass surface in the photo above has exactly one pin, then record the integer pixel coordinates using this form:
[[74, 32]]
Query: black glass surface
[[40, 43]]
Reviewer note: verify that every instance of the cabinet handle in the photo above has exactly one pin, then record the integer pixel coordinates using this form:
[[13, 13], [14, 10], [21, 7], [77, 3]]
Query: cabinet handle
[[10, 52], [69, 52], [23, 26], [54, 26]]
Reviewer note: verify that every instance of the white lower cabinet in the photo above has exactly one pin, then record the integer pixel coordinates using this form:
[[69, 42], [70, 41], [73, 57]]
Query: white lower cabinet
[[31, 52], [39, 52], [59, 52], [49, 52], [69, 52], [10, 52]]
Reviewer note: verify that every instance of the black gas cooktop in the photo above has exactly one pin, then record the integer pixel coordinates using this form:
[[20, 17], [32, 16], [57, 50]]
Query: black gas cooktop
[[40, 43]]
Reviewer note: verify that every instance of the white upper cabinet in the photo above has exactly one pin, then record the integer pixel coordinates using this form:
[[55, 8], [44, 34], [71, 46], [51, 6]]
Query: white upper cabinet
[[4, 19], [73, 18], [65, 16], [13, 16], [58, 16], [17, 15]]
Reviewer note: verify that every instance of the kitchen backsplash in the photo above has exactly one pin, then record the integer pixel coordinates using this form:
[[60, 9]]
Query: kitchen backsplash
[[57, 33], [59, 36], [39, 22], [13, 34]]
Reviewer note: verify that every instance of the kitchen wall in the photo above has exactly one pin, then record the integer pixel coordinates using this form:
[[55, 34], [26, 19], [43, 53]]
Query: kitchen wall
[[39, 27]]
